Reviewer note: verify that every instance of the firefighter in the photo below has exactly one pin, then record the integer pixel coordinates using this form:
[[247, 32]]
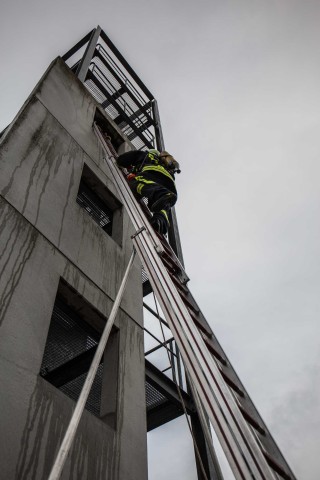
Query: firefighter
[[151, 175]]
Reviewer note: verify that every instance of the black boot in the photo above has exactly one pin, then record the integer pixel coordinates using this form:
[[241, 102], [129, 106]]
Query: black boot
[[165, 202], [159, 223]]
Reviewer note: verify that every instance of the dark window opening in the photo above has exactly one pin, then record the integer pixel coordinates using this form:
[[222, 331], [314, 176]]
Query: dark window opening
[[95, 207], [100, 204], [109, 129], [75, 330], [70, 347]]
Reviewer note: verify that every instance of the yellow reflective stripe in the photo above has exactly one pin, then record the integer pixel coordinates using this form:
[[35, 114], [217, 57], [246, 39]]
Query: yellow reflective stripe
[[142, 179], [165, 214], [157, 168], [153, 158], [140, 187]]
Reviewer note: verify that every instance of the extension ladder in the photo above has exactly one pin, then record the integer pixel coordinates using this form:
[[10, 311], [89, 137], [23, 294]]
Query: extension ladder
[[248, 445]]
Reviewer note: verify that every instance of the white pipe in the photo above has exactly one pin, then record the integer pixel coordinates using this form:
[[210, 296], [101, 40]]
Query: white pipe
[[75, 419]]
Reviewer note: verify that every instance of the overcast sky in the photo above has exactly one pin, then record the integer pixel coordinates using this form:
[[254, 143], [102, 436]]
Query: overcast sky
[[238, 89]]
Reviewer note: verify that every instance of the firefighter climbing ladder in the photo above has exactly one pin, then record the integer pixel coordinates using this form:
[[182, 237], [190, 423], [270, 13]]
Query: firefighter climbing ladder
[[249, 447]]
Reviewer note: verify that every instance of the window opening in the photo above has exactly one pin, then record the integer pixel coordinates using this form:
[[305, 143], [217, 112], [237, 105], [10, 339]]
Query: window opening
[[95, 207], [100, 204], [70, 347]]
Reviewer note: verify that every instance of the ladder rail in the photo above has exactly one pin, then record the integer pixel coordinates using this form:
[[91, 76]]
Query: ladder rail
[[269, 447], [240, 446], [206, 429], [234, 434], [246, 404]]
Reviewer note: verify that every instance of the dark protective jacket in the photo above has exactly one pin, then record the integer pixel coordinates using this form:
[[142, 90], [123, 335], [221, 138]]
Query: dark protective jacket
[[149, 167]]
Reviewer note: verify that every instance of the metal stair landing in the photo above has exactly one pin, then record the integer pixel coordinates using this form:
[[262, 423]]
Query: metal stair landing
[[115, 85]]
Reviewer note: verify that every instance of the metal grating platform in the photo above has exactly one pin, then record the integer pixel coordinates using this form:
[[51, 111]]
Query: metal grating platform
[[68, 339], [73, 390], [70, 347], [116, 86], [154, 398]]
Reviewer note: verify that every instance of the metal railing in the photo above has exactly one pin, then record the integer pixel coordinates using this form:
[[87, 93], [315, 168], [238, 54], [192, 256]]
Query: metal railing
[[115, 85]]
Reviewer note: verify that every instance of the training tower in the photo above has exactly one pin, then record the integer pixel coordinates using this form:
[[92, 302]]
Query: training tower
[[67, 229]]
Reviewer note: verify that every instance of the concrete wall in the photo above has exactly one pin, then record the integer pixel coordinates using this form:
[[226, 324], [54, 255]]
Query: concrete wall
[[46, 236]]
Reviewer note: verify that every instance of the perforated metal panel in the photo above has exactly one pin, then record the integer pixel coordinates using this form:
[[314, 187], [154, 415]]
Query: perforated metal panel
[[69, 336], [73, 389], [95, 207], [153, 397]]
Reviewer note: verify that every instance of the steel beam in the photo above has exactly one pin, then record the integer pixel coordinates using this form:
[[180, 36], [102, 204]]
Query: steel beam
[[126, 118], [88, 54], [155, 314], [126, 65], [77, 47], [174, 236], [167, 387], [161, 414], [123, 85], [71, 369], [212, 470]]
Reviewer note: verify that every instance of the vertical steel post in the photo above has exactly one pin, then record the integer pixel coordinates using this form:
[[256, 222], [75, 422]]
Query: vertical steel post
[[88, 54], [178, 360], [172, 360], [201, 430], [76, 416], [157, 125], [174, 236]]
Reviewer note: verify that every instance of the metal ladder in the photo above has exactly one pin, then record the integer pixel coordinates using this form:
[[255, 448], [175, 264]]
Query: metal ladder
[[248, 445]]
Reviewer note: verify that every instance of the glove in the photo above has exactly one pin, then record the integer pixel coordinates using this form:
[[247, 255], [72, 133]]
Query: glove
[[131, 176]]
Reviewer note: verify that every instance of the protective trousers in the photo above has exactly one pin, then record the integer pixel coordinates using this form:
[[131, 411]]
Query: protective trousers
[[160, 201]]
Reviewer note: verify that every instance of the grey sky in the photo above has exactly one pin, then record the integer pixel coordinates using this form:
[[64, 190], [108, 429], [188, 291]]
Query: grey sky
[[238, 90]]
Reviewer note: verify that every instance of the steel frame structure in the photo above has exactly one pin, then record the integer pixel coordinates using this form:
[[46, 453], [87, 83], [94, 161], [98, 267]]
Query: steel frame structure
[[100, 66], [246, 440], [214, 386]]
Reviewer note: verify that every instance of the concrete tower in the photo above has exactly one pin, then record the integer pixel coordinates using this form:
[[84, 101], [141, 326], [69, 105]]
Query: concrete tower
[[64, 245]]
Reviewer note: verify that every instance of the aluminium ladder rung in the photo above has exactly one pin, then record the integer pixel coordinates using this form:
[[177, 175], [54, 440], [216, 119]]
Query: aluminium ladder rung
[[277, 467], [197, 319], [168, 258], [252, 421], [183, 277], [215, 349], [189, 304], [170, 266], [180, 286]]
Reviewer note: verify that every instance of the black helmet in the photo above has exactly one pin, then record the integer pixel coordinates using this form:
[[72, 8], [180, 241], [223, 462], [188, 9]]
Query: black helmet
[[169, 162]]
